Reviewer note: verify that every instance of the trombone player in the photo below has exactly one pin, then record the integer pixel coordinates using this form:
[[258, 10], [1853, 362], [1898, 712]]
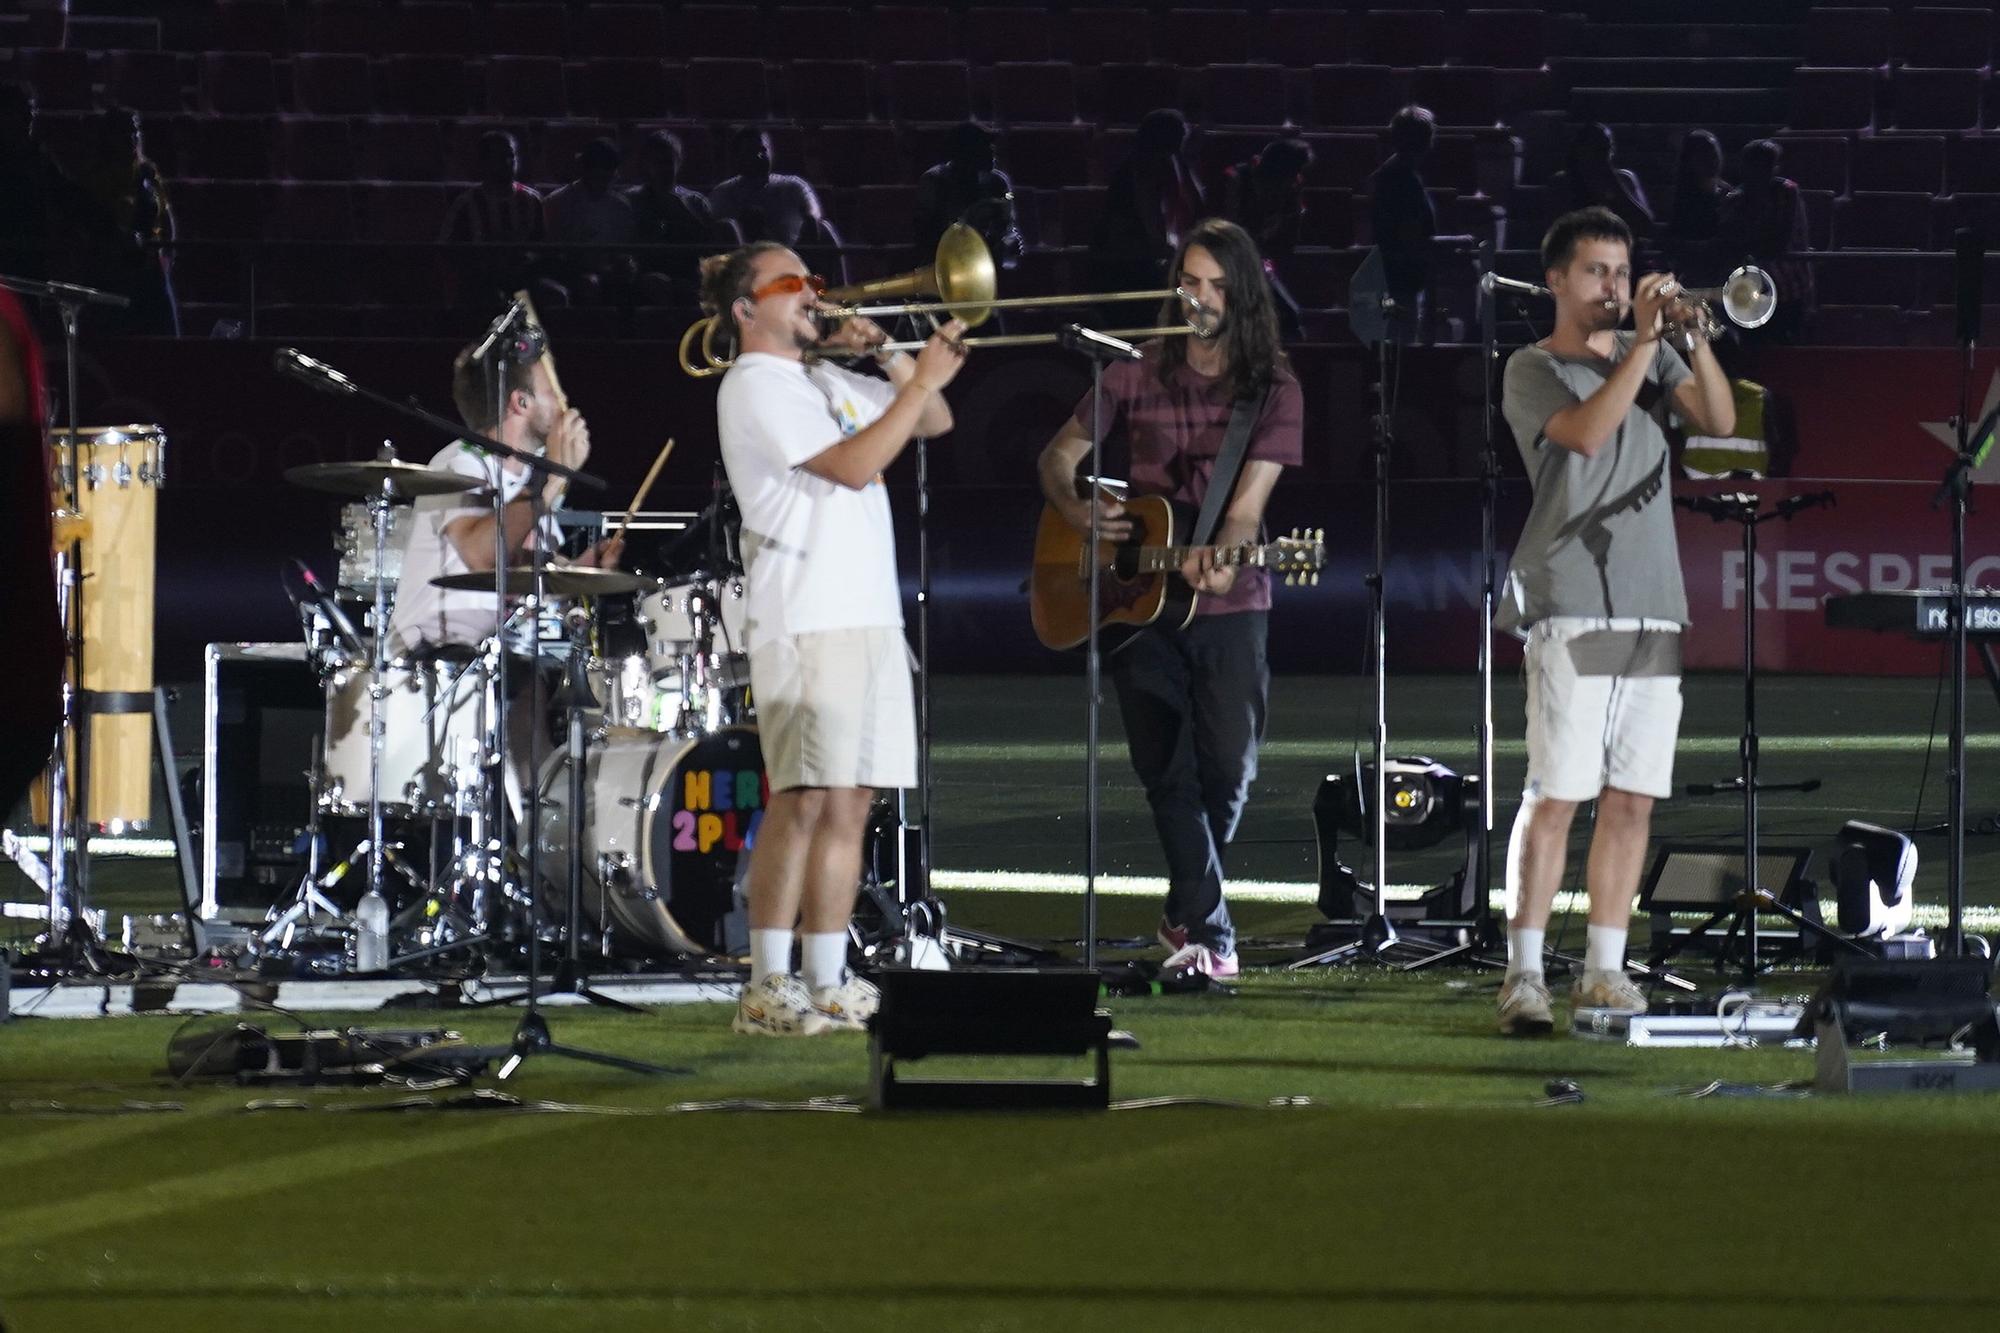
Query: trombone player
[[1595, 589], [805, 443]]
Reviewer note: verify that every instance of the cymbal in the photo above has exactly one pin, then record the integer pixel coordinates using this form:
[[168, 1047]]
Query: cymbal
[[563, 581], [368, 479]]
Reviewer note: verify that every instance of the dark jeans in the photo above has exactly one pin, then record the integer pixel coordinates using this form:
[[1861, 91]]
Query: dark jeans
[[1193, 702]]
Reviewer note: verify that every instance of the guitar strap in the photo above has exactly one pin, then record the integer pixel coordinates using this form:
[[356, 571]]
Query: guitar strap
[[1228, 462]]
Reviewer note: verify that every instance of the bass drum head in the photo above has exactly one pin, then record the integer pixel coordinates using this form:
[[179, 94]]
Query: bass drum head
[[668, 827]]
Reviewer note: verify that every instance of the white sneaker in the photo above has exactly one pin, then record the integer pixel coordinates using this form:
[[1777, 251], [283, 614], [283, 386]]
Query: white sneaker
[[1600, 989], [1524, 1006], [778, 1006], [848, 1006], [1200, 958]]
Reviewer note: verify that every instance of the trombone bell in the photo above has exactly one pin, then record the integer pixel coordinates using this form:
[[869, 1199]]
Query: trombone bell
[[960, 275]]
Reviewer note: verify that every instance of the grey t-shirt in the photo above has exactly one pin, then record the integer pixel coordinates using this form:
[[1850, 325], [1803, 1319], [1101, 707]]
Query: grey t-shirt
[[1600, 537]]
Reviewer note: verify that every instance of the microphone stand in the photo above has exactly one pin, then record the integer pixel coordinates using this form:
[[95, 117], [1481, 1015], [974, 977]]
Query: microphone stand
[[70, 945]]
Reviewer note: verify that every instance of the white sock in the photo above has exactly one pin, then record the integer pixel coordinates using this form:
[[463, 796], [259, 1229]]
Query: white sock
[[770, 951], [825, 958], [1524, 951], [1606, 950]]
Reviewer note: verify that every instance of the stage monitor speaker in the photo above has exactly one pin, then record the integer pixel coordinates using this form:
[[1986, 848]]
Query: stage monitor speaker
[[1927, 1001], [994, 1011], [262, 710], [1873, 870], [1703, 877]]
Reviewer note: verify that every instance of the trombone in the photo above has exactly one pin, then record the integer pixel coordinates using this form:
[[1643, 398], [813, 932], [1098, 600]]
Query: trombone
[[961, 277]]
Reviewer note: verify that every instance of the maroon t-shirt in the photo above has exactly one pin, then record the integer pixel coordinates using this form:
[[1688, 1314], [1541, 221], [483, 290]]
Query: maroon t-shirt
[[1175, 431]]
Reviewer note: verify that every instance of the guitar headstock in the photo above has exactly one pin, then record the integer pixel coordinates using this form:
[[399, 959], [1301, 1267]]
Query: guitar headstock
[[1300, 556]]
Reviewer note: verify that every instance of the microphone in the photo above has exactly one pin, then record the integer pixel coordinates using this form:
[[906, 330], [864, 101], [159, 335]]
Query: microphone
[[497, 329], [291, 361], [330, 608], [1092, 343], [1490, 283]]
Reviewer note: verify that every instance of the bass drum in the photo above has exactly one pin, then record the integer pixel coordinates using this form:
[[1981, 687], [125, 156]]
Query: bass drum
[[667, 828]]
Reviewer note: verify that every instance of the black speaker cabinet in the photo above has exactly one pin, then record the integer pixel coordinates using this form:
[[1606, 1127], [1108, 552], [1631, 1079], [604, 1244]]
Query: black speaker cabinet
[[262, 710]]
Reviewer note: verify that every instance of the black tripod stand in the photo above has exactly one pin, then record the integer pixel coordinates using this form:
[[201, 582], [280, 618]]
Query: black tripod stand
[[1742, 508]]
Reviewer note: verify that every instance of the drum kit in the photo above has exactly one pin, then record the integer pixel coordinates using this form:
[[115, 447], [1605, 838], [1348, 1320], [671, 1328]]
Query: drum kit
[[658, 708]]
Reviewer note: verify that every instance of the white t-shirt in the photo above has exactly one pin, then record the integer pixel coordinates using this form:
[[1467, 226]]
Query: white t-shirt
[[425, 614], [819, 555]]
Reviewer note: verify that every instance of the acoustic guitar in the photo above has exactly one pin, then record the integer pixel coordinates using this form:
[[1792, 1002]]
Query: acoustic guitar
[[1139, 581]]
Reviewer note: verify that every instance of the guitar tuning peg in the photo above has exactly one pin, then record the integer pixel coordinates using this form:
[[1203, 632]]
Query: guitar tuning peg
[[1289, 578], [1315, 580]]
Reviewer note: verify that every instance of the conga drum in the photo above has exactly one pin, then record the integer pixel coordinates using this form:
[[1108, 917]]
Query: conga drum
[[120, 469]]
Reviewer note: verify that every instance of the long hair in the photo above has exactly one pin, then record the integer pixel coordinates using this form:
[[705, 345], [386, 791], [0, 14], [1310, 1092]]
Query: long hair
[[1250, 330]]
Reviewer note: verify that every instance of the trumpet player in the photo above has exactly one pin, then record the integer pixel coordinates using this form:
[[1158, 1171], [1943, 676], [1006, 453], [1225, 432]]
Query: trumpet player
[[805, 443], [1595, 590]]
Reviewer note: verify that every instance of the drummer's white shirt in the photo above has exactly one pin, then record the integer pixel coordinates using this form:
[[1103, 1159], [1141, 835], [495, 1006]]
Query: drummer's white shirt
[[425, 614], [819, 555]]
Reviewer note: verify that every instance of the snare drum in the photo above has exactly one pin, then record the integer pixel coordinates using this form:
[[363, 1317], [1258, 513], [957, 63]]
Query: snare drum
[[667, 829], [671, 618], [433, 717]]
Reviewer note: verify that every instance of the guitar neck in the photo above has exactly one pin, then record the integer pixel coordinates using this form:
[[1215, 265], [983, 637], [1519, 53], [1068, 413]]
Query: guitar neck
[[1161, 559]]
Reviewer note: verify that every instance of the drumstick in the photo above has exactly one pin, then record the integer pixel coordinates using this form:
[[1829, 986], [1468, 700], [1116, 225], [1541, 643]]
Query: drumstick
[[644, 486], [548, 358]]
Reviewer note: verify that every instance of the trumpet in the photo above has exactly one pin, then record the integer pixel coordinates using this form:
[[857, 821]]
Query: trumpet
[[1748, 298], [961, 277]]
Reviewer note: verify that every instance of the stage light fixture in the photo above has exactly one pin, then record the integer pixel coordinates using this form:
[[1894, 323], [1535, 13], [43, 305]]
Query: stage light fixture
[[1873, 871], [1423, 802]]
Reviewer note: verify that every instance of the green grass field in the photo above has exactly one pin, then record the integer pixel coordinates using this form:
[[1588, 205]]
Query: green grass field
[[1362, 1152]]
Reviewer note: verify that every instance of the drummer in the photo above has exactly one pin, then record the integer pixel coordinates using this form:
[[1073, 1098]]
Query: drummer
[[454, 533]]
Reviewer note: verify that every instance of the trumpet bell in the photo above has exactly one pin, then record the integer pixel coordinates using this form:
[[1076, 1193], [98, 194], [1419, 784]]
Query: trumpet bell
[[961, 275], [1749, 297]]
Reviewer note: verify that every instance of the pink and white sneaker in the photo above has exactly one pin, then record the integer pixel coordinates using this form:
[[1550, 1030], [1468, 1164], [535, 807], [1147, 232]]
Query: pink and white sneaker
[[1200, 958]]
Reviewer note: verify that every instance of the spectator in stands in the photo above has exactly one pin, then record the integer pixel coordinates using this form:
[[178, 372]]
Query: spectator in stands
[[669, 213], [1763, 222], [767, 205], [1592, 177], [591, 213], [35, 196], [1153, 200], [130, 223], [1697, 217], [968, 187], [1404, 220], [499, 210], [1266, 197]]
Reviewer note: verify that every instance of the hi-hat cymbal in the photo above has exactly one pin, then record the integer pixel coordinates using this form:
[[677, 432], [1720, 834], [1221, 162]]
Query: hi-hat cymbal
[[564, 581], [373, 477]]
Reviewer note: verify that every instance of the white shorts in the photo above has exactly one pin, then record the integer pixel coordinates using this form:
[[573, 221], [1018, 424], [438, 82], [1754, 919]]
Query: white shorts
[[1604, 707], [835, 709]]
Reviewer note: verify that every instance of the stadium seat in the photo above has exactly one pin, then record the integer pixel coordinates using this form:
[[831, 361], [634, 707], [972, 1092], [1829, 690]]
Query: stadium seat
[[1358, 95], [1329, 218], [638, 88], [861, 154], [1093, 36], [993, 35], [1193, 37], [443, 28], [332, 84], [251, 25], [930, 90], [878, 214], [60, 76], [1832, 99], [526, 86], [315, 148], [405, 149], [1034, 91], [724, 88], [1882, 220], [1937, 99], [310, 211], [1046, 157], [1852, 37], [536, 29], [1407, 37], [1127, 92], [1464, 95], [211, 210], [641, 30], [1948, 38], [1301, 38], [236, 148], [1817, 161], [1242, 94], [424, 85], [1341, 160], [910, 32], [1515, 39], [1972, 162], [146, 80], [1866, 279], [349, 25], [821, 32], [830, 90], [1897, 162]]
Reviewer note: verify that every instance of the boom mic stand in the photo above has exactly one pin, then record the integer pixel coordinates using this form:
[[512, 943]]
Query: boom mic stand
[[70, 946]]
